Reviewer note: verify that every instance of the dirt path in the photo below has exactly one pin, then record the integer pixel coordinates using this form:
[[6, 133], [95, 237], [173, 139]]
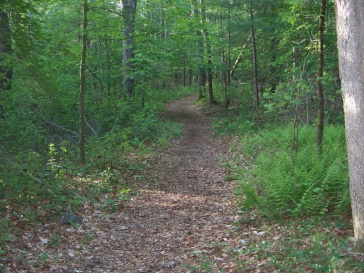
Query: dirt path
[[177, 224]]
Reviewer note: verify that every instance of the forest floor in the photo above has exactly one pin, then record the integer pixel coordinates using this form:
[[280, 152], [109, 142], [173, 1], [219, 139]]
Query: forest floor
[[179, 221], [181, 217]]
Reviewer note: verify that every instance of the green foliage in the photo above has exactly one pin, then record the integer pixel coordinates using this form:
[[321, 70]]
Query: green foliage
[[39, 171], [239, 119], [37, 184], [281, 181], [234, 124]]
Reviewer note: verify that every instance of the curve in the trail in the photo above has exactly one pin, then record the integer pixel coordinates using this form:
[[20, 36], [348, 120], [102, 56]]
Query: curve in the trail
[[187, 209]]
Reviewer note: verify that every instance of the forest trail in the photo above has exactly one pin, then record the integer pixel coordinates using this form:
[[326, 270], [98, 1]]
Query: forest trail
[[178, 223]]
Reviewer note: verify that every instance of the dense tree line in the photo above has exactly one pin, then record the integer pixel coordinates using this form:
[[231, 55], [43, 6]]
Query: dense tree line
[[259, 52]]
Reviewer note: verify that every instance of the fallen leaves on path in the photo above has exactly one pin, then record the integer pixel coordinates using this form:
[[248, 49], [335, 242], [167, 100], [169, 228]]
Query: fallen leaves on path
[[182, 219], [182, 213]]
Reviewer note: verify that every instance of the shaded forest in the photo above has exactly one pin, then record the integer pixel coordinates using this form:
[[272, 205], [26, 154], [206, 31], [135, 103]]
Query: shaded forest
[[83, 85]]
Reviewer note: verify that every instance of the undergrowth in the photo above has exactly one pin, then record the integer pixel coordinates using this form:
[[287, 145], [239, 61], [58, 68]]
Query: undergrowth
[[280, 172], [43, 177], [281, 181], [296, 199]]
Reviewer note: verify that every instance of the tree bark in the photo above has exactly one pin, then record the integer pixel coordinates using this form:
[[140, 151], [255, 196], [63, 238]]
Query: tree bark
[[205, 34], [128, 16], [229, 47], [83, 83], [320, 74], [200, 51], [255, 61], [350, 30], [237, 61]]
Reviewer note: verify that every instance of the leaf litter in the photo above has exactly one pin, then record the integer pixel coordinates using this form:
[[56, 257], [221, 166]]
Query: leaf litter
[[182, 209], [183, 219]]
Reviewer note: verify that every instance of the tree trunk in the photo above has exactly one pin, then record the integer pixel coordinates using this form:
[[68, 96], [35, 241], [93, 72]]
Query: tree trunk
[[200, 51], [184, 75], [255, 62], [128, 14], [229, 47], [205, 34], [320, 74], [83, 83], [350, 21], [237, 61]]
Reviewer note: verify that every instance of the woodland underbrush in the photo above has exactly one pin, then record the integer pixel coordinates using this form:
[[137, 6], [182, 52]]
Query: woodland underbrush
[[280, 178], [40, 172], [298, 197]]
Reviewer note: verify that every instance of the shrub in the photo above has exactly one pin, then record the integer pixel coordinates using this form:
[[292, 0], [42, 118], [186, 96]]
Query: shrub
[[281, 181]]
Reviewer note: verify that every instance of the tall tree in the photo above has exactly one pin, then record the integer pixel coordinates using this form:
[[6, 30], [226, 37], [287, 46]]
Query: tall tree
[[205, 34], [350, 31], [255, 62], [128, 16], [83, 82], [228, 57], [200, 51], [320, 74], [199, 47], [240, 56]]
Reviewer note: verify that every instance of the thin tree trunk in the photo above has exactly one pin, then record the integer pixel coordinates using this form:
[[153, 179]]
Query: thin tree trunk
[[237, 61], [255, 62], [162, 21], [205, 33], [229, 47], [221, 37], [350, 31], [184, 75], [108, 66], [128, 14], [225, 82], [273, 69], [83, 83], [320, 74], [200, 51]]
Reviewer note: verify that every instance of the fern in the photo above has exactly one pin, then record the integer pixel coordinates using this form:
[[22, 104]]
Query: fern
[[305, 183]]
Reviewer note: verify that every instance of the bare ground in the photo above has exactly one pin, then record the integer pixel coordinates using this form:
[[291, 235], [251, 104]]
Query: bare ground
[[179, 223]]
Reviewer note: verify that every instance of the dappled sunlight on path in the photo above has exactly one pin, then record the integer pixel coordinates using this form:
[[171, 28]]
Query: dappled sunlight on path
[[178, 221]]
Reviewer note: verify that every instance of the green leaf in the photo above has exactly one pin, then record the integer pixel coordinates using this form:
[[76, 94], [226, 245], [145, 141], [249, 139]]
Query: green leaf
[[316, 190]]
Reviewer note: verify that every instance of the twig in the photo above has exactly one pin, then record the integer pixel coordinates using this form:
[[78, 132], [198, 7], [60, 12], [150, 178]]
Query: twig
[[356, 253], [58, 126], [90, 127]]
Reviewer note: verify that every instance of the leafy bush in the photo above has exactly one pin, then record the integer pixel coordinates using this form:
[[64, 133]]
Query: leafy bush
[[281, 181], [233, 125]]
